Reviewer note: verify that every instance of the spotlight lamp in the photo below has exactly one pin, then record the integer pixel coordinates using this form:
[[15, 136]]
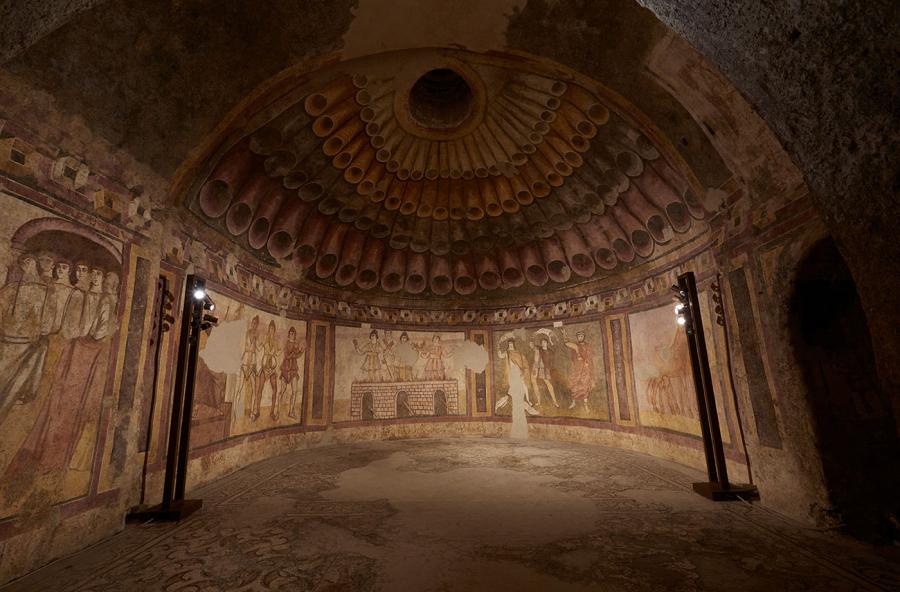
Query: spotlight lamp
[[208, 322], [199, 294], [682, 308]]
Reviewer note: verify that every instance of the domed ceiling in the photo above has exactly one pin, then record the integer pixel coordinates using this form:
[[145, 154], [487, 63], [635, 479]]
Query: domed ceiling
[[446, 174]]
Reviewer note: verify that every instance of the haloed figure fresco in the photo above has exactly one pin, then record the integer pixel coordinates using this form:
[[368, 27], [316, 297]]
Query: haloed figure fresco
[[552, 372], [58, 316]]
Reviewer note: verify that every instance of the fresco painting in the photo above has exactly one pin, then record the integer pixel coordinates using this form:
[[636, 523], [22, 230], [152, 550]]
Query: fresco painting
[[661, 364], [59, 316], [250, 374], [551, 372], [388, 374]]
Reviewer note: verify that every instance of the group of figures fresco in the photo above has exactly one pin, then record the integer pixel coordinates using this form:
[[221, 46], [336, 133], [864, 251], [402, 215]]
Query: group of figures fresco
[[553, 372], [254, 363], [388, 363], [264, 365], [386, 360], [58, 315]]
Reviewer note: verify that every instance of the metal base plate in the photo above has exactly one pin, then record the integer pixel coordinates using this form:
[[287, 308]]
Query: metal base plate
[[177, 510], [734, 491]]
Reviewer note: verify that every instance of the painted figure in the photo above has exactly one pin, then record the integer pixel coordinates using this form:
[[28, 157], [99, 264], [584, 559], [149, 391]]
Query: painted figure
[[583, 379], [540, 367], [514, 370], [58, 296], [268, 368], [434, 355], [396, 359], [290, 369], [23, 344], [372, 352], [249, 371]]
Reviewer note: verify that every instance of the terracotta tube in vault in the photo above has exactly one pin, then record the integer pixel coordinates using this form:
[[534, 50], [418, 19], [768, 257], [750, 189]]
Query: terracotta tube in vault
[[226, 179], [510, 269], [287, 225], [310, 238], [649, 215], [480, 236], [427, 199], [634, 229], [335, 91], [439, 279], [421, 235], [384, 222], [538, 223], [367, 215], [240, 213], [601, 248], [487, 272], [258, 234], [351, 253], [555, 260], [664, 197], [332, 120], [463, 276], [370, 264], [335, 143], [680, 185], [440, 237], [577, 253], [330, 253], [459, 239], [401, 233], [621, 244], [533, 265], [411, 196], [416, 273], [588, 104], [393, 270]]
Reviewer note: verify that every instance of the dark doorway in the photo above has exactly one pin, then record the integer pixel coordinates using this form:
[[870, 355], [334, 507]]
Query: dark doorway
[[440, 403], [403, 408], [368, 406], [854, 425]]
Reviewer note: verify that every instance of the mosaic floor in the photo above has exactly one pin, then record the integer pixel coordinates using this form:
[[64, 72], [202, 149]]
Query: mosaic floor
[[470, 514]]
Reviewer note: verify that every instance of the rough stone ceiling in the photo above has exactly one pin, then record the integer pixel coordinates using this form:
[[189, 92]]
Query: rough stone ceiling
[[446, 172]]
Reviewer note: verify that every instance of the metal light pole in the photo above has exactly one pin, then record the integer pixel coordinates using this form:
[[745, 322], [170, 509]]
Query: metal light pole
[[194, 320], [688, 314]]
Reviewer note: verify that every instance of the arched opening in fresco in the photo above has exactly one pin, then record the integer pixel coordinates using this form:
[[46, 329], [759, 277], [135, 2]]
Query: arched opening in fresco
[[852, 414], [368, 406], [403, 408], [440, 403]]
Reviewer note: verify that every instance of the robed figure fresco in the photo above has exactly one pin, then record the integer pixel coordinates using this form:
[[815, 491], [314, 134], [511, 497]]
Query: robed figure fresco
[[372, 352], [79, 377], [23, 340], [582, 376]]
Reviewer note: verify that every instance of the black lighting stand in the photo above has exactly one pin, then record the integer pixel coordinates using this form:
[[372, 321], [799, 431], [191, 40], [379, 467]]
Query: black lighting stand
[[718, 488], [194, 320]]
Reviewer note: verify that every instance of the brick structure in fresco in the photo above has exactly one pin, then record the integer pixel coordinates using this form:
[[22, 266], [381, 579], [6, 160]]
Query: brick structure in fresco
[[389, 400]]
